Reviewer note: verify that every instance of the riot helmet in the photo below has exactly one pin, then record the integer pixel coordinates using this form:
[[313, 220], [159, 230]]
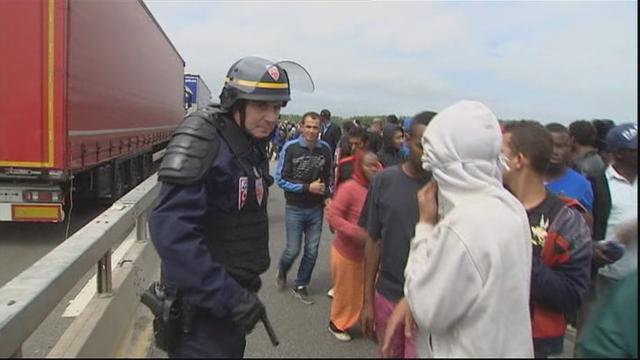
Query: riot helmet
[[254, 78]]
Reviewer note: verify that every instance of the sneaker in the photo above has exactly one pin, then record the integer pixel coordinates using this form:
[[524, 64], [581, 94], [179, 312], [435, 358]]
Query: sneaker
[[339, 334], [330, 293], [281, 281], [300, 293]]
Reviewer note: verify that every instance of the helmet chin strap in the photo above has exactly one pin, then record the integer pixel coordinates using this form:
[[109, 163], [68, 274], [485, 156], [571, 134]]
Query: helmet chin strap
[[243, 116]]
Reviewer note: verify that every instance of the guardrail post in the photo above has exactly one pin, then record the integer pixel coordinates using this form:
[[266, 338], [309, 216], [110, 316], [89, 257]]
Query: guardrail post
[[17, 354], [142, 233], [104, 275]]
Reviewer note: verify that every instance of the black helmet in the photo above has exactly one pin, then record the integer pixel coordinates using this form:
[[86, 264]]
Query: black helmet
[[254, 78]]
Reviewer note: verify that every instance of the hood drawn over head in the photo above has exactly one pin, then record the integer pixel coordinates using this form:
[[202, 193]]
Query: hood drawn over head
[[462, 148]]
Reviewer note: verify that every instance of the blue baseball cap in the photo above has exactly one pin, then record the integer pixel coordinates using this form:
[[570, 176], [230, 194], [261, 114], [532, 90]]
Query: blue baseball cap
[[624, 136]]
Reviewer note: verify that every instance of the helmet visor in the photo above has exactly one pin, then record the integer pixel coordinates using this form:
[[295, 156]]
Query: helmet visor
[[299, 78]]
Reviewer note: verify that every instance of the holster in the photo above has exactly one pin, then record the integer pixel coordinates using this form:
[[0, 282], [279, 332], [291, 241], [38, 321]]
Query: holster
[[171, 315]]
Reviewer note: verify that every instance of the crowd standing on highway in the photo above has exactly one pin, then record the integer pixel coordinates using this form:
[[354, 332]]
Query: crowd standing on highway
[[455, 234]]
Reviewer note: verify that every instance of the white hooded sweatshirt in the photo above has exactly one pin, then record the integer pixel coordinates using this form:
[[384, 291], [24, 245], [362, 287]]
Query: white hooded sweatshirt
[[467, 277]]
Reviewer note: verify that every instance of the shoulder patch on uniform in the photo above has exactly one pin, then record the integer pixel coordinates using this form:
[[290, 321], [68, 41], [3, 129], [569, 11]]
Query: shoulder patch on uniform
[[190, 152]]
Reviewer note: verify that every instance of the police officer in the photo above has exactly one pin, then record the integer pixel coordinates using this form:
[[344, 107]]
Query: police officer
[[210, 223]]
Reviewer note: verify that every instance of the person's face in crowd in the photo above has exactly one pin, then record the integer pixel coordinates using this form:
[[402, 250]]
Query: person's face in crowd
[[310, 129], [369, 165], [514, 160], [261, 117], [398, 138], [377, 126], [627, 158], [561, 149], [415, 148], [355, 143]]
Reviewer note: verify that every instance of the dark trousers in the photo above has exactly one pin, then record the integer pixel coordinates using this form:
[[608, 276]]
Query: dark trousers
[[210, 337]]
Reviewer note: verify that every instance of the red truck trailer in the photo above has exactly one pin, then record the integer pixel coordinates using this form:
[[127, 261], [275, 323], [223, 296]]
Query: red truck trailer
[[89, 91]]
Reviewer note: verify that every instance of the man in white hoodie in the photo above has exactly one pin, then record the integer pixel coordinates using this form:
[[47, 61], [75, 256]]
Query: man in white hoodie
[[468, 274]]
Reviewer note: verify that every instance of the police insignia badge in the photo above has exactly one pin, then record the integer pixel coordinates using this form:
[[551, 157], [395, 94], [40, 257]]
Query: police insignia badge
[[243, 188], [259, 191], [274, 72]]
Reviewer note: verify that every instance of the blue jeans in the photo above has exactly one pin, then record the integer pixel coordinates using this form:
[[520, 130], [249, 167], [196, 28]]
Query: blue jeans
[[299, 221]]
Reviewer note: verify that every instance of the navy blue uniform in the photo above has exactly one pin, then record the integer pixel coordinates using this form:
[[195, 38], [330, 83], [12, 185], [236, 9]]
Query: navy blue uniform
[[212, 237]]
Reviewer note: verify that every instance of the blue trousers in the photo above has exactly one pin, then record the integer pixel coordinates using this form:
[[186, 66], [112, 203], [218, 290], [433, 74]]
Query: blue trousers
[[302, 221], [210, 337]]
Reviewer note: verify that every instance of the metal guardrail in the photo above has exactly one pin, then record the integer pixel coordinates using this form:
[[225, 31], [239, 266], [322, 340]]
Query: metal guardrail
[[30, 297]]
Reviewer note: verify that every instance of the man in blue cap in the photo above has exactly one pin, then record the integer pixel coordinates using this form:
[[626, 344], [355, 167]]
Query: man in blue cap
[[621, 178], [615, 204]]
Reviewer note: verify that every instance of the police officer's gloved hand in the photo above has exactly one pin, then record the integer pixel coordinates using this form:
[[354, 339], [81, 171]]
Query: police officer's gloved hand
[[247, 312]]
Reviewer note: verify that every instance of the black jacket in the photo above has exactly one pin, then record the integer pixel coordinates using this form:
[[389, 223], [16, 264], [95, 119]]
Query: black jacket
[[299, 166], [331, 136], [390, 155]]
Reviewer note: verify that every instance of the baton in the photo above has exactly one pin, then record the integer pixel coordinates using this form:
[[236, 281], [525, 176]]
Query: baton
[[269, 329]]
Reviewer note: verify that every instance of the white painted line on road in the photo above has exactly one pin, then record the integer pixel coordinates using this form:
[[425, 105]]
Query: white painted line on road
[[89, 290]]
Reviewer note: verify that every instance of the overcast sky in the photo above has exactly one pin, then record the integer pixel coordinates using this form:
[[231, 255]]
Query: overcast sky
[[549, 61]]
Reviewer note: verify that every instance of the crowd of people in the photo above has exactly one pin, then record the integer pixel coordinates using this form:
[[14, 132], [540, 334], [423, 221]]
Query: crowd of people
[[456, 234]]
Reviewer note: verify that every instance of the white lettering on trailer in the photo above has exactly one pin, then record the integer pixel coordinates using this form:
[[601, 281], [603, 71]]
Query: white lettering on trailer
[[5, 212]]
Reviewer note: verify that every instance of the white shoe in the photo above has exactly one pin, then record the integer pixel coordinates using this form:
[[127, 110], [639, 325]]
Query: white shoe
[[330, 293], [339, 334]]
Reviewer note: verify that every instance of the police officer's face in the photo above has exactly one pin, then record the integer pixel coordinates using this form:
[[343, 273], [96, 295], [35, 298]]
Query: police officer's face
[[310, 129], [261, 117]]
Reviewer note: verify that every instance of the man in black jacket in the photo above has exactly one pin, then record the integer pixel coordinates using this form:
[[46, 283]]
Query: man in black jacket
[[304, 173], [331, 132]]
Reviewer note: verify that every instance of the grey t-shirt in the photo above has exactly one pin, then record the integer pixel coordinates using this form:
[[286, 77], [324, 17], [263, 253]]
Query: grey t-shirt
[[590, 164], [390, 214]]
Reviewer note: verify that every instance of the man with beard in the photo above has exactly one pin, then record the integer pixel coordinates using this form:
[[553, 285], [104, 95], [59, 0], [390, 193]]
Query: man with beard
[[559, 177], [389, 215]]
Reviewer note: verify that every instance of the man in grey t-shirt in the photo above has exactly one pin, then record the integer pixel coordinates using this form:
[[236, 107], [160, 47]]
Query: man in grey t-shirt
[[584, 154], [390, 214]]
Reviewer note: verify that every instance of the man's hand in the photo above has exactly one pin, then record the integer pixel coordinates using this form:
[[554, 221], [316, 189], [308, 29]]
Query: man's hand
[[428, 203], [367, 316], [247, 312], [317, 187], [401, 315], [599, 256]]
